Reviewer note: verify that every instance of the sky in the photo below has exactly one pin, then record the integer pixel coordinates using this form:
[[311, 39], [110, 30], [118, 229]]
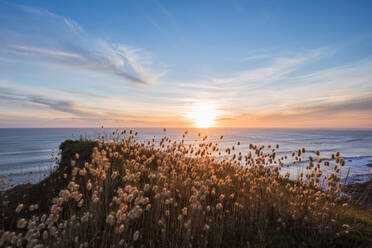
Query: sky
[[287, 64]]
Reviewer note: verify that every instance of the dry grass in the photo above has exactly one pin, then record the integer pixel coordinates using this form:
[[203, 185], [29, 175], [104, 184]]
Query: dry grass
[[131, 193]]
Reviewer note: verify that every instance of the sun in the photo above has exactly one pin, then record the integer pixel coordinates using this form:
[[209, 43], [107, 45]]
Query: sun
[[203, 115]]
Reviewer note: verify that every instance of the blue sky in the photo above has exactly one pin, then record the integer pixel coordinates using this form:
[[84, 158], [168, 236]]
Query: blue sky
[[156, 63]]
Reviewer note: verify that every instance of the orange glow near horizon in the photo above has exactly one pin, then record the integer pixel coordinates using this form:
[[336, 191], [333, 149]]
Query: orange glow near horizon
[[203, 115]]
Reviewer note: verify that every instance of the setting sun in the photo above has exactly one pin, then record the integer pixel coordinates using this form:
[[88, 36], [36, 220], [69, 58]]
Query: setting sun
[[203, 115]]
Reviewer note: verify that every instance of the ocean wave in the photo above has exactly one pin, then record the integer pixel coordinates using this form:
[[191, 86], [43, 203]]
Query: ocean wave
[[25, 171], [21, 164], [355, 140], [24, 152]]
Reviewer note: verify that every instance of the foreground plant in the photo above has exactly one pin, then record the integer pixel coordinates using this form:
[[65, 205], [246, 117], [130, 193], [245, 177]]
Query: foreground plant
[[174, 194]]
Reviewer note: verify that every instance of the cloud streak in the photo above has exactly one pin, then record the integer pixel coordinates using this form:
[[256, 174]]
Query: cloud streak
[[73, 47], [54, 112], [348, 113], [246, 89], [9, 94], [58, 105], [341, 107]]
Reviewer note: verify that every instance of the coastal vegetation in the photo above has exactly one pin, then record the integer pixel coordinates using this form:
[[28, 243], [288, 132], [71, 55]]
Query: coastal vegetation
[[119, 191]]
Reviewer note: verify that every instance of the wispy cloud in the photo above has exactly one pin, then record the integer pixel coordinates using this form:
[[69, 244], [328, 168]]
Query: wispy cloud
[[276, 69], [240, 89], [334, 84], [351, 105], [354, 112], [165, 23], [42, 52], [84, 94], [37, 101], [59, 105], [74, 26], [54, 111], [73, 47], [349, 113]]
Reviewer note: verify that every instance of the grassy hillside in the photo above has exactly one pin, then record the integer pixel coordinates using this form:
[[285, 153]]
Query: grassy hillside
[[124, 192]]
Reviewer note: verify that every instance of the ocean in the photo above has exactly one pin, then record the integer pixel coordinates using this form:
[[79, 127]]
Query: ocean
[[26, 153]]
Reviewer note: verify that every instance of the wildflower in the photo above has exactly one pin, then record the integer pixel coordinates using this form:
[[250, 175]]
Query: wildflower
[[110, 219], [89, 185], [114, 175], [345, 226], [136, 235], [45, 235], [222, 196], [146, 187], [184, 211], [148, 207], [75, 171], [85, 218], [19, 208], [21, 223], [179, 218], [206, 227]]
